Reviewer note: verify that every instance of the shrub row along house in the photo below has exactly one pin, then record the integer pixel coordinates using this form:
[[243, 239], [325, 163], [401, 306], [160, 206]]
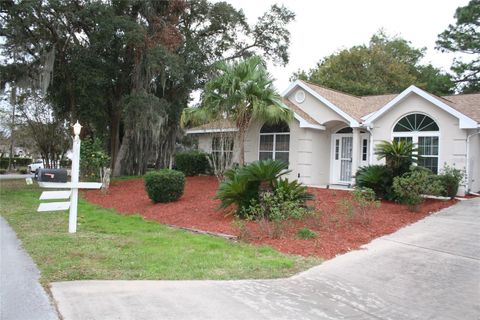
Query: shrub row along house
[[333, 133]]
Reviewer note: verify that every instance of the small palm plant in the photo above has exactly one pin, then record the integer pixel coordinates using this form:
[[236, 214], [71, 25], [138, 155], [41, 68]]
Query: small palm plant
[[399, 155], [240, 92], [257, 181]]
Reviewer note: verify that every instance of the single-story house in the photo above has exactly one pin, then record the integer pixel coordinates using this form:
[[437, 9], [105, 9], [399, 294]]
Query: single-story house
[[334, 133]]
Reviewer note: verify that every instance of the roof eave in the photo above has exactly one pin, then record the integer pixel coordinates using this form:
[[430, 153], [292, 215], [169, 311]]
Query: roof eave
[[213, 130], [465, 122], [352, 121]]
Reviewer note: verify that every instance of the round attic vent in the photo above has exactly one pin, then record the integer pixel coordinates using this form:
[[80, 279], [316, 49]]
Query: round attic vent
[[300, 96]]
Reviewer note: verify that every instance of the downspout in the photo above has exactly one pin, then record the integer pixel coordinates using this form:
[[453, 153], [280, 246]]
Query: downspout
[[467, 166], [370, 145]]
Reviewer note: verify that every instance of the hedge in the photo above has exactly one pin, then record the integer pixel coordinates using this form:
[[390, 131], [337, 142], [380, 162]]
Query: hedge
[[19, 162], [192, 163], [164, 185]]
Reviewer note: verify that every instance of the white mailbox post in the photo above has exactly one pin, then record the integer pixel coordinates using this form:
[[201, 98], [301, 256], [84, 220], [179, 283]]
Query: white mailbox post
[[74, 185]]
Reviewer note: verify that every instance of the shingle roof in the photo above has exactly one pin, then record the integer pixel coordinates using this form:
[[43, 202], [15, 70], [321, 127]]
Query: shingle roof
[[468, 104], [300, 112], [225, 125], [358, 107]]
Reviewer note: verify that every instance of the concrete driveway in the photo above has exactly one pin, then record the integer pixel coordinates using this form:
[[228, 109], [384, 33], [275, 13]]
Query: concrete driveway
[[428, 270]]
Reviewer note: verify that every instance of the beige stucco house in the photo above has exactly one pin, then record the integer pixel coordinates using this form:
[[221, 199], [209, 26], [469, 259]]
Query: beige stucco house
[[334, 133]]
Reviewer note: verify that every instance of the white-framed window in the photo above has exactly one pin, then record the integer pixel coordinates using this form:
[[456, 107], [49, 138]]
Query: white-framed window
[[274, 142], [424, 132], [364, 149]]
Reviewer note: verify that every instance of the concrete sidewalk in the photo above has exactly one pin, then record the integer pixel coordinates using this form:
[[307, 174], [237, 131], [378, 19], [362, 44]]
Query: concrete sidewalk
[[429, 270], [15, 176], [21, 295]]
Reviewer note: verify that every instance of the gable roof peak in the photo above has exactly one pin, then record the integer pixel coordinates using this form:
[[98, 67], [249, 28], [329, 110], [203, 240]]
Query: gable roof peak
[[330, 89]]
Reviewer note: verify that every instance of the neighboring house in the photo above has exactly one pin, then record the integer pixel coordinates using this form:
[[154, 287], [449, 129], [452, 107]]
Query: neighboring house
[[17, 151], [334, 133]]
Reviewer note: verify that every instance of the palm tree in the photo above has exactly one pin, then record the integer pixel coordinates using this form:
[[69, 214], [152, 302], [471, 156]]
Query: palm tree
[[398, 155], [241, 92]]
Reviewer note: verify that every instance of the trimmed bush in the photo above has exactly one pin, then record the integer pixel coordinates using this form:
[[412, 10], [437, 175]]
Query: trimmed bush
[[22, 170], [19, 162], [379, 178], [410, 187], [450, 179], [164, 185], [192, 163], [3, 171]]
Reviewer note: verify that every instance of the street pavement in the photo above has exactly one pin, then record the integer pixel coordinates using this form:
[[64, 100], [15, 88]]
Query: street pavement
[[428, 270], [12, 176], [21, 295]]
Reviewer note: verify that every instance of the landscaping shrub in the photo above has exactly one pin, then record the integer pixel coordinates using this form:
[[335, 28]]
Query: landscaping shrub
[[93, 160], [192, 163], [19, 162], [66, 163], [306, 233], [3, 171], [22, 170], [277, 205], [359, 206], [238, 191], [247, 187], [293, 190], [450, 179], [164, 185], [410, 187], [379, 178], [272, 210], [399, 155]]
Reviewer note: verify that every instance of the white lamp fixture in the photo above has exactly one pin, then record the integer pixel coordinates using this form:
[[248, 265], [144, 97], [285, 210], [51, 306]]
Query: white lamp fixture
[[77, 128]]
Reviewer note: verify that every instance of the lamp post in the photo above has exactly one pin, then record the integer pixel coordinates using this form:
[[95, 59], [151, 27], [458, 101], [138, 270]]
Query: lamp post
[[72, 218]]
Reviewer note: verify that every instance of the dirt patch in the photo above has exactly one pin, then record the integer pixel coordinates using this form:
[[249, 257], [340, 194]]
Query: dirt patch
[[197, 209]]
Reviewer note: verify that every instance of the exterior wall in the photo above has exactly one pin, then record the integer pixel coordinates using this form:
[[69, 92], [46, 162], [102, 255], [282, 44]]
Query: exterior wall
[[309, 154], [315, 108], [205, 142], [452, 139], [474, 162]]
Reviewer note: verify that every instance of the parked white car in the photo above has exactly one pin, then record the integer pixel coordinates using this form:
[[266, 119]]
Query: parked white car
[[37, 164]]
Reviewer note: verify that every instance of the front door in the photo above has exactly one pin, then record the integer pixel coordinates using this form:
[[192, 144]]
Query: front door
[[342, 158]]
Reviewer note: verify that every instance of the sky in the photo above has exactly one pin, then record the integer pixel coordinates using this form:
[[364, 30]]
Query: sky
[[324, 27]]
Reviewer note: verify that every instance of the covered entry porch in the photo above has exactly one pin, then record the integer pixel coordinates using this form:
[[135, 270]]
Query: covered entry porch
[[350, 149]]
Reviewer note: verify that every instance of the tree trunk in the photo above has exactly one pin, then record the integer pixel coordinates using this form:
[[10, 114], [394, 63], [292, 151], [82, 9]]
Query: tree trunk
[[241, 142], [243, 126], [118, 170], [114, 139], [13, 102]]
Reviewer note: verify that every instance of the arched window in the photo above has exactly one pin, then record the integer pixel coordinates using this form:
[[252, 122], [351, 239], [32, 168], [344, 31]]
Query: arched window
[[345, 130], [415, 122], [422, 131], [274, 142]]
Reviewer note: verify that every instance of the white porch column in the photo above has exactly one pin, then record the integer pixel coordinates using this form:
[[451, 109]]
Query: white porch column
[[355, 151]]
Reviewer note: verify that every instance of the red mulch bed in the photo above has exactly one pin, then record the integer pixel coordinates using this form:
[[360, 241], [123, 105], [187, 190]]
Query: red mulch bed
[[197, 209]]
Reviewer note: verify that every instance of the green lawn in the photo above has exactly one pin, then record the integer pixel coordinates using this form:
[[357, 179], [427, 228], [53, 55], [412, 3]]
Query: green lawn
[[111, 246]]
